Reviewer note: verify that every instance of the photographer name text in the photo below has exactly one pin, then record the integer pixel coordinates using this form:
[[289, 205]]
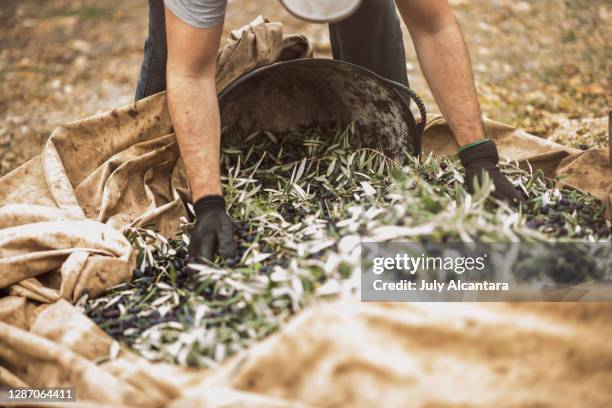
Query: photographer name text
[[437, 286]]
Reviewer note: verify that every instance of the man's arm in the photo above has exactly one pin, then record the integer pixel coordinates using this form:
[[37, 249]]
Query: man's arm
[[192, 99], [446, 64]]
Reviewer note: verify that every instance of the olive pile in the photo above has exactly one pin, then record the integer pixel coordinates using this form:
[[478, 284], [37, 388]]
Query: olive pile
[[167, 291], [559, 218], [132, 314]]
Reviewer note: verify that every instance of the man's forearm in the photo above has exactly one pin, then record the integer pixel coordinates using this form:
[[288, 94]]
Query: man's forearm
[[192, 99], [446, 65], [195, 116]]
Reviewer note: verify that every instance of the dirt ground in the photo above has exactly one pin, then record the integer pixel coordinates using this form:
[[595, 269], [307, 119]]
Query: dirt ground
[[543, 65]]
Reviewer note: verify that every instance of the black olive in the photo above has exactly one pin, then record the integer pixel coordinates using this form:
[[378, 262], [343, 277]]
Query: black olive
[[115, 332], [534, 224], [111, 313]]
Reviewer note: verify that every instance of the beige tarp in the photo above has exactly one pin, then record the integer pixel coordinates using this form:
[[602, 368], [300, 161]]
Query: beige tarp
[[342, 354], [60, 236]]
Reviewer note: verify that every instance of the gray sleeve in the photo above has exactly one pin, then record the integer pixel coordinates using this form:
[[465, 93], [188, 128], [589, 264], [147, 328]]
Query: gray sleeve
[[198, 13]]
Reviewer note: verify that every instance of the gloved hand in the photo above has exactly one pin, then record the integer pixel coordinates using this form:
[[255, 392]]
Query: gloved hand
[[482, 156], [213, 230]]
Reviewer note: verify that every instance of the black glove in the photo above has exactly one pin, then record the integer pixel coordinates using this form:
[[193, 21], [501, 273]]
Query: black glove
[[213, 230], [481, 157]]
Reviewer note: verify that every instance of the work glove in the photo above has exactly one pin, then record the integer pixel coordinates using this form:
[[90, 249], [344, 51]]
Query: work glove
[[480, 157], [213, 230]]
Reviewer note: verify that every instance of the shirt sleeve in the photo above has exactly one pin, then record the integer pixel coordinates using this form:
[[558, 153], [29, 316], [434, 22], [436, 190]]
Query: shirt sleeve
[[198, 13]]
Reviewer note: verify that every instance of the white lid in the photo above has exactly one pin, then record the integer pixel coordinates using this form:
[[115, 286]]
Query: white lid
[[321, 11]]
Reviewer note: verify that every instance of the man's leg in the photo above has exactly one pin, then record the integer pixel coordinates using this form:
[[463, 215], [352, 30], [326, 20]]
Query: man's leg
[[153, 72], [372, 38]]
